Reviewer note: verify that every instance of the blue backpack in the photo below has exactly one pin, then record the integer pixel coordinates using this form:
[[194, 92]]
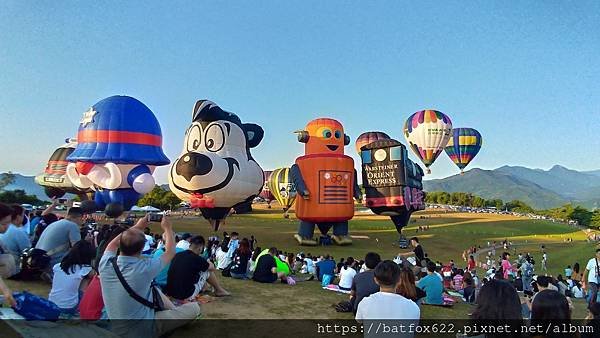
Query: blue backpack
[[33, 307]]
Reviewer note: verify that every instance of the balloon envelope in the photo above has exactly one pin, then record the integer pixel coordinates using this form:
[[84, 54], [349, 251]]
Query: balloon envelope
[[282, 187], [427, 133], [54, 179], [369, 137], [462, 147], [266, 192]]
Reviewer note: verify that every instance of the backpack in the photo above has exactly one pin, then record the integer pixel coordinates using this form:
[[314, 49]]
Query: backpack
[[529, 270]]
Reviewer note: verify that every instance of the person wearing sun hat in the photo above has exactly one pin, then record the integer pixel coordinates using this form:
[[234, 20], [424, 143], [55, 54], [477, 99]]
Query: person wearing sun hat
[[119, 144]]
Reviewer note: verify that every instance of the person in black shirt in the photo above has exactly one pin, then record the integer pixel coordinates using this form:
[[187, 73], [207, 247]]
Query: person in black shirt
[[241, 256], [266, 268], [189, 272], [363, 284], [418, 252]]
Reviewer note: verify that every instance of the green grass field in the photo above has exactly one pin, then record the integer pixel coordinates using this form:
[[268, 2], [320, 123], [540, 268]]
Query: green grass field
[[448, 236]]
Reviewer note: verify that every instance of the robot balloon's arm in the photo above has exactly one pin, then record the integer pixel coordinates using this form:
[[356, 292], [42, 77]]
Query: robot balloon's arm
[[299, 181], [140, 178], [357, 193]]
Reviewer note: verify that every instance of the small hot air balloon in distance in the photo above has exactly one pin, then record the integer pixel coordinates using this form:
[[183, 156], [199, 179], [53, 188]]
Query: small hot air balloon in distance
[[462, 147], [283, 188], [266, 192], [369, 137], [427, 133]]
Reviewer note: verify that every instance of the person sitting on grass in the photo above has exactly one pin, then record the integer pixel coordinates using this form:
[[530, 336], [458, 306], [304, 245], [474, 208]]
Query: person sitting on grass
[[347, 273], [387, 304], [161, 278], [138, 272], [325, 267], [15, 239], [432, 285], [189, 272], [266, 268], [457, 280], [549, 307], [468, 291], [407, 286], [498, 302], [72, 276], [363, 284], [254, 258], [241, 259], [222, 257]]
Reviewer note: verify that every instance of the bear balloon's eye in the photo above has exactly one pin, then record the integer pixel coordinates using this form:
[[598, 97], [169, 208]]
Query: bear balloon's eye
[[214, 138], [338, 134], [327, 133], [194, 138]]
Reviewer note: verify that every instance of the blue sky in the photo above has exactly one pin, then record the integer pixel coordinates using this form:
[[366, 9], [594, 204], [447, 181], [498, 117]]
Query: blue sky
[[525, 74]]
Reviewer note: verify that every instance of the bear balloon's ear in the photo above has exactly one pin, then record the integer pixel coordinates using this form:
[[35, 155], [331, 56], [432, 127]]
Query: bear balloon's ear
[[254, 134], [346, 140], [302, 136]]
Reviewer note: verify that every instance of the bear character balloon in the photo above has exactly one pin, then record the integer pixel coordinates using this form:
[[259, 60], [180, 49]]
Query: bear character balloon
[[326, 180], [215, 171], [393, 183], [54, 178], [119, 144]]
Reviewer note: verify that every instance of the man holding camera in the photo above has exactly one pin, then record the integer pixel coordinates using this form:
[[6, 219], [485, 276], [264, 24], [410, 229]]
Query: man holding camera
[[127, 287]]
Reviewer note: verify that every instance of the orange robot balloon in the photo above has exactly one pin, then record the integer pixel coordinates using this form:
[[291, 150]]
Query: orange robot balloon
[[326, 181]]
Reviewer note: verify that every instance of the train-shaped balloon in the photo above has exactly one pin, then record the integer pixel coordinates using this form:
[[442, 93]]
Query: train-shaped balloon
[[392, 182], [54, 179]]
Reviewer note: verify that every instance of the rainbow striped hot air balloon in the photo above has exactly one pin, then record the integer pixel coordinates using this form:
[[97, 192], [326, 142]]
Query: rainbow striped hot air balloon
[[282, 188], [427, 133], [463, 146], [369, 137]]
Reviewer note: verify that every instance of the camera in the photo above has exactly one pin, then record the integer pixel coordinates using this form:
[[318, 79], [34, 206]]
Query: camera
[[155, 217]]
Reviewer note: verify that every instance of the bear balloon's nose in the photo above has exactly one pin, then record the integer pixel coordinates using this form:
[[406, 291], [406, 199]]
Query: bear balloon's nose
[[193, 164]]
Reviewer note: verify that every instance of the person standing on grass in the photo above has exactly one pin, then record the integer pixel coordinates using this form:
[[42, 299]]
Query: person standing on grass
[[507, 267], [418, 252], [591, 277], [545, 261]]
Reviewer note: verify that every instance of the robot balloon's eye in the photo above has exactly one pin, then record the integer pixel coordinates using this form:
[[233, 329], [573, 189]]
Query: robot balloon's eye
[[338, 134], [327, 133]]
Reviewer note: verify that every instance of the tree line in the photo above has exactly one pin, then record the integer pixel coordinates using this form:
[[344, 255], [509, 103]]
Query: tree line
[[568, 212]]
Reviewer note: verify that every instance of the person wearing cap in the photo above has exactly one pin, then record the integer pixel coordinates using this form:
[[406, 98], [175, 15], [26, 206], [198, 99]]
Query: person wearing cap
[[119, 144], [184, 243]]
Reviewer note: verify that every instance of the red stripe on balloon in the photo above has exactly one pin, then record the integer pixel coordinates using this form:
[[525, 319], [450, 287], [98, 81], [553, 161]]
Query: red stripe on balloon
[[115, 136]]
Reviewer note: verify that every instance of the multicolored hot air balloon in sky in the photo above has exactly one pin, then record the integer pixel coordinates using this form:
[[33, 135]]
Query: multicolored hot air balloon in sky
[[462, 147], [369, 137], [283, 188], [427, 133]]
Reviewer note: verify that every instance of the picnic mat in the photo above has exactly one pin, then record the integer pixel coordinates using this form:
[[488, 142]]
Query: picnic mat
[[333, 287], [59, 329]]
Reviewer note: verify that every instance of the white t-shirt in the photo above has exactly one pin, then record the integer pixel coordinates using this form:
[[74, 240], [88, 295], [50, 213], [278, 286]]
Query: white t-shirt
[[222, 259], [387, 306], [183, 244], [149, 242], [346, 276], [592, 267], [65, 288]]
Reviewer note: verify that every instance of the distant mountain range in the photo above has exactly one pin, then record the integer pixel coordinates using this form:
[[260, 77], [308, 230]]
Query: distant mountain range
[[28, 184], [542, 189], [539, 188]]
